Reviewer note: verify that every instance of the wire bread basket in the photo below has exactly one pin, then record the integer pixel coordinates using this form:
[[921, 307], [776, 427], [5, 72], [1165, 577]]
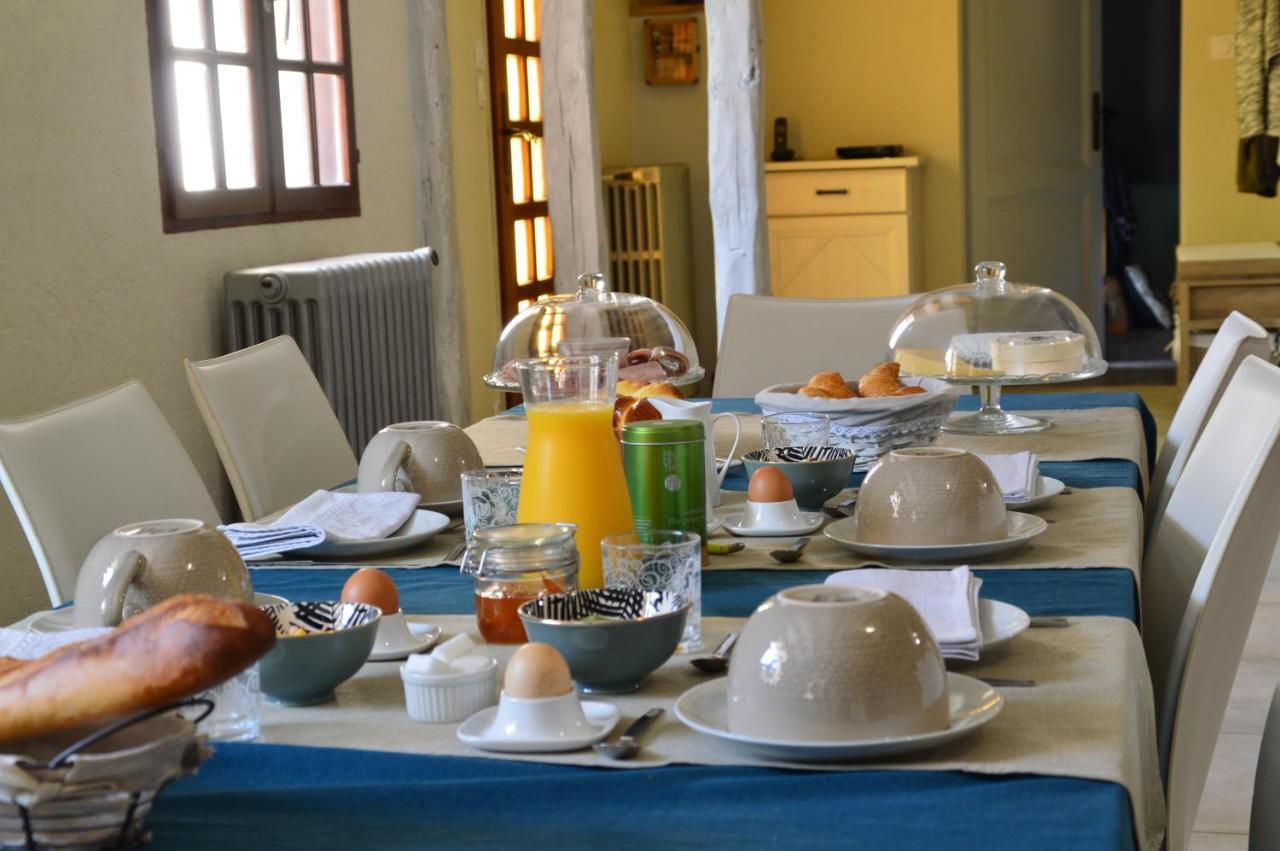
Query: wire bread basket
[[96, 791]]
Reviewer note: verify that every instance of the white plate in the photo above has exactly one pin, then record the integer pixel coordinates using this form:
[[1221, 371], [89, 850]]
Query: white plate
[[61, 620], [733, 525], [1021, 529], [600, 715], [972, 703], [424, 634], [1047, 488], [418, 528], [1000, 622]]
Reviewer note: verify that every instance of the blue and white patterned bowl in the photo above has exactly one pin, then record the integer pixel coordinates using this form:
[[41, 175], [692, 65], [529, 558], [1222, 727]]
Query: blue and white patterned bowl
[[319, 646], [612, 638], [817, 473]]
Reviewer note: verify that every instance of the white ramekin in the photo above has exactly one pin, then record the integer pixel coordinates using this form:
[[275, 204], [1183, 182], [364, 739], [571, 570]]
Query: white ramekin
[[448, 698]]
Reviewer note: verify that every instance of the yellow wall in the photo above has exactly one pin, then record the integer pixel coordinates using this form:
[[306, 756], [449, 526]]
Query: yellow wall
[[862, 73], [93, 291], [1211, 208]]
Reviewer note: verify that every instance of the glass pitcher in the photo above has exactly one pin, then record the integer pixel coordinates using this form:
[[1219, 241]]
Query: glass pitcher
[[573, 465]]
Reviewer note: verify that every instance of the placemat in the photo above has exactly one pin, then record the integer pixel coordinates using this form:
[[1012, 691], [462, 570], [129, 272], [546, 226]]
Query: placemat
[[1088, 527], [1090, 715]]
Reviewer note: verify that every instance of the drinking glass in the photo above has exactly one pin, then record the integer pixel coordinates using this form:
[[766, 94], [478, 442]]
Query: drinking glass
[[782, 430], [659, 560], [237, 709], [490, 498]]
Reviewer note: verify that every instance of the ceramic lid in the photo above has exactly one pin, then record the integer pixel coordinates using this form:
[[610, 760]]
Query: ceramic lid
[[596, 321], [993, 331]]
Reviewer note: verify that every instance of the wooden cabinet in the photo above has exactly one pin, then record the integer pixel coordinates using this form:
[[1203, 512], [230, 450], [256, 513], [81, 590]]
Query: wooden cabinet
[[843, 228]]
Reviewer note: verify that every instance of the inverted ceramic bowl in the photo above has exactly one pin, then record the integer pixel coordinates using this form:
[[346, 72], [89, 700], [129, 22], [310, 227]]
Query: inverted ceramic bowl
[[319, 646], [832, 663], [817, 473], [929, 495], [612, 638]]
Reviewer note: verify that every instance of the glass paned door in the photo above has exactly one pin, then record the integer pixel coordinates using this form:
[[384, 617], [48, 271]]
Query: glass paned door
[[526, 264]]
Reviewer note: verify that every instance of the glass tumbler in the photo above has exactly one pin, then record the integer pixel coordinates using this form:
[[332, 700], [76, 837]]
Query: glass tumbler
[[237, 709], [783, 430], [659, 560], [490, 498]]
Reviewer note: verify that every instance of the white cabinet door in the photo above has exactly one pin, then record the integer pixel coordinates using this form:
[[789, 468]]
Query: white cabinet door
[[839, 256]]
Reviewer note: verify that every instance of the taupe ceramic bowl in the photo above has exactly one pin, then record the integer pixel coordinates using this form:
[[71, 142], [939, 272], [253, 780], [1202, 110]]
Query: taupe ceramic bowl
[[426, 457], [822, 663], [929, 495]]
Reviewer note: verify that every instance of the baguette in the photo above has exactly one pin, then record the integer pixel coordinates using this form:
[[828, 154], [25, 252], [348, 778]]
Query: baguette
[[178, 648]]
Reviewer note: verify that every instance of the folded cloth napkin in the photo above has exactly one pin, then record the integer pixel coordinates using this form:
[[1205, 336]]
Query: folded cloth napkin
[[1016, 474], [21, 644], [325, 516], [946, 599]]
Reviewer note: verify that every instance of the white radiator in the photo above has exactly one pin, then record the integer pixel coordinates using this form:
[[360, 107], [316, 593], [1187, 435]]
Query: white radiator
[[650, 241], [362, 322]]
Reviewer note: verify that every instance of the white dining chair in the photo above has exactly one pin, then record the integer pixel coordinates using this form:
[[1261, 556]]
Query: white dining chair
[[767, 341], [1237, 338], [77, 472], [1205, 566], [1264, 817], [274, 429]]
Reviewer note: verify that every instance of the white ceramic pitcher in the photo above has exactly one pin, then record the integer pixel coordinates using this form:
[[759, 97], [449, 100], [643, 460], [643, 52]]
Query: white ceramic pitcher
[[682, 409]]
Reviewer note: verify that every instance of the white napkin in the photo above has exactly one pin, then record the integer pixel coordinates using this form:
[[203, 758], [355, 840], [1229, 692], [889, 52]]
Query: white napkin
[[1016, 474], [325, 516], [946, 599], [20, 644]]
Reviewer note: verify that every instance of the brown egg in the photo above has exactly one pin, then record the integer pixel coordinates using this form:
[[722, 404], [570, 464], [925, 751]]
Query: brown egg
[[770, 484], [537, 670], [372, 586]]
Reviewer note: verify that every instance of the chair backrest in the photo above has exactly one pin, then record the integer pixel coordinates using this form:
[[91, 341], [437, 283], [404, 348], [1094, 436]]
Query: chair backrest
[[274, 429], [80, 471], [1206, 564], [1238, 338], [1264, 819], [767, 341]]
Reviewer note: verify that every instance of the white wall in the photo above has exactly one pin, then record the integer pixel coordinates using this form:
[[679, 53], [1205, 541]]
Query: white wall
[[92, 292]]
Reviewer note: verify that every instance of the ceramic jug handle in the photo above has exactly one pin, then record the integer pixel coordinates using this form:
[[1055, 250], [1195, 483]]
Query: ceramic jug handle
[[123, 570], [391, 466], [737, 436]]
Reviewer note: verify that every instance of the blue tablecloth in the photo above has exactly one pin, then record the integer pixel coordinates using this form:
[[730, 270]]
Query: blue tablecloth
[[264, 796]]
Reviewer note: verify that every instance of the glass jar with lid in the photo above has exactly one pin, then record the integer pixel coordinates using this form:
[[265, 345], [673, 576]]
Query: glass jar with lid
[[653, 344], [514, 564]]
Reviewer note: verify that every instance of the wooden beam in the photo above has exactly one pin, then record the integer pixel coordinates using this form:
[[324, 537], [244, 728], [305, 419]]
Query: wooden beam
[[572, 141], [735, 58], [431, 111]]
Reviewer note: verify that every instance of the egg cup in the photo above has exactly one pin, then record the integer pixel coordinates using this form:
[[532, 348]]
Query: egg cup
[[773, 515], [396, 641], [448, 698], [540, 724]]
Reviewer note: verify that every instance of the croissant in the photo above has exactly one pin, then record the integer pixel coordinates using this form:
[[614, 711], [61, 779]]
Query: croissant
[[629, 410], [828, 385], [882, 380], [661, 388]]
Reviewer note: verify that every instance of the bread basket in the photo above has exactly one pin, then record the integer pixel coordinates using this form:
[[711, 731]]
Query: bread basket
[[871, 427], [96, 791]]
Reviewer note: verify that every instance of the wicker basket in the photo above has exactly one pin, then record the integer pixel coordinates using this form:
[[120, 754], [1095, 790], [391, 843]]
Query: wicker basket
[[871, 427], [98, 791]]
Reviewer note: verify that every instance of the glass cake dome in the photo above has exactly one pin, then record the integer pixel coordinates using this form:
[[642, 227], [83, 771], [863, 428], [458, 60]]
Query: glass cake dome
[[651, 341], [992, 333]]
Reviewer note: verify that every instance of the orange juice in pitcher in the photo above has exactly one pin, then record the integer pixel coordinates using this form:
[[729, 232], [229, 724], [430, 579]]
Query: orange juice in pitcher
[[573, 464]]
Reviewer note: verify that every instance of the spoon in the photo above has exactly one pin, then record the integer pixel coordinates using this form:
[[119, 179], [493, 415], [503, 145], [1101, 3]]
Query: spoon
[[790, 554], [717, 662], [627, 746], [840, 509]]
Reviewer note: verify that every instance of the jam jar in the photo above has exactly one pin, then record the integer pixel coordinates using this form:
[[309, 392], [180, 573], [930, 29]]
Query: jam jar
[[515, 564]]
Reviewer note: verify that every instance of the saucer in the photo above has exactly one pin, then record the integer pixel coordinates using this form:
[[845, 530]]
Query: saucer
[[1000, 623], [418, 528], [61, 620], [972, 703], [733, 525], [1046, 489], [1020, 528], [601, 716], [424, 635]]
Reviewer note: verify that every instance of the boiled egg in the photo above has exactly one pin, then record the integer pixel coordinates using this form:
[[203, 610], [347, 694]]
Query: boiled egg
[[769, 484], [537, 670], [373, 587]]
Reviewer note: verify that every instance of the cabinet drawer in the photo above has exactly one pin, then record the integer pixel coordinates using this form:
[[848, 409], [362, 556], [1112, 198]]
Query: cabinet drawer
[[835, 193]]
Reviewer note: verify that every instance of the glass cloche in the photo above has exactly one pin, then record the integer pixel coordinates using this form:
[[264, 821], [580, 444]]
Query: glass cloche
[[991, 333], [651, 342]]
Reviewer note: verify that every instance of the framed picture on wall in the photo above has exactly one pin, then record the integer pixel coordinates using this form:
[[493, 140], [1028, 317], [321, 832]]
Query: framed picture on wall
[[671, 51]]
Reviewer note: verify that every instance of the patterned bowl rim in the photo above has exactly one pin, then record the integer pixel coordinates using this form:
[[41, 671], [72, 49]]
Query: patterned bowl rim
[[366, 607], [839, 453], [591, 592]]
